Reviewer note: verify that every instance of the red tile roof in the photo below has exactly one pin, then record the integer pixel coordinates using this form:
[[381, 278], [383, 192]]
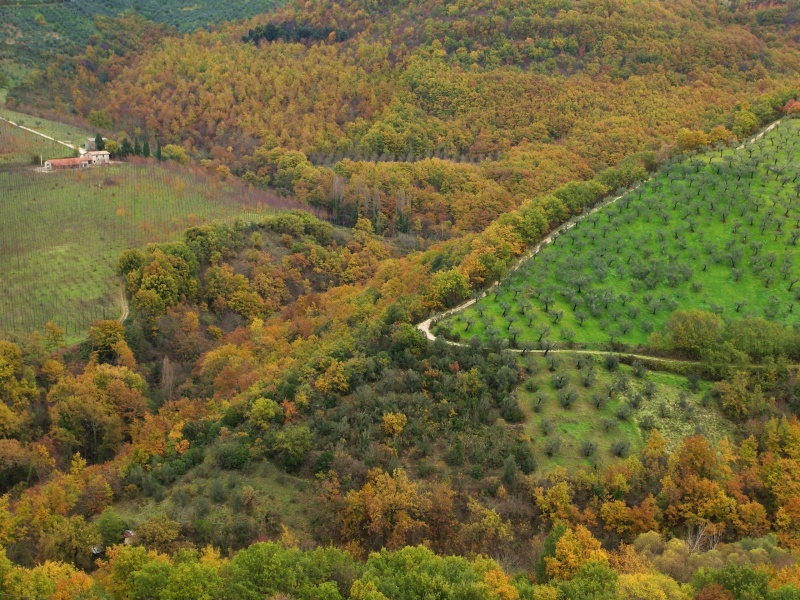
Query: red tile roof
[[67, 162]]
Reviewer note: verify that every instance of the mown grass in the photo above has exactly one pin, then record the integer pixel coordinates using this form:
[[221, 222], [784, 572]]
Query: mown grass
[[61, 234], [716, 232], [668, 403]]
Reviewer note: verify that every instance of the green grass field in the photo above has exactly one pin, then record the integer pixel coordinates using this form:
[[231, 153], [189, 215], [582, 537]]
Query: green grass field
[[716, 231], [569, 400], [60, 131], [19, 147], [61, 233]]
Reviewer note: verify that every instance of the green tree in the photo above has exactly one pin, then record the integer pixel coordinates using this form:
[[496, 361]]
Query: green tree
[[745, 121], [146, 149], [100, 119], [159, 156], [159, 533], [103, 336], [176, 153], [292, 446], [593, 581], [111, 527], [743, 583], [447, 288], [137, 149], [690, 332], [549, 550], [192, 580], [71, 540], [99, 142], [125, 148]]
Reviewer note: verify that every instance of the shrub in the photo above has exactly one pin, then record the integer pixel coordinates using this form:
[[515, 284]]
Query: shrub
[[611, 362], [552, 446], [231, 456], [217, 490], [567, 398], [608, 424], [647, 422], [621, 448], [639, 370], [559, 380], [599, 400], [510, 410], [588, 448]]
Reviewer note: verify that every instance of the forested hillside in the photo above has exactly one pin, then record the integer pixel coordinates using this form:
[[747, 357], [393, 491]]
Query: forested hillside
[[386, 441], [536, 93], [36, 32], [271, 420]]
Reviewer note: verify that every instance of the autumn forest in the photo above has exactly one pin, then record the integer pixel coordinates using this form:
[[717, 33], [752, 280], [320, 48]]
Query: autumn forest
[[452, 299]]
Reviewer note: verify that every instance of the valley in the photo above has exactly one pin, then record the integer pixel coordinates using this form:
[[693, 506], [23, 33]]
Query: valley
[[399, 300]]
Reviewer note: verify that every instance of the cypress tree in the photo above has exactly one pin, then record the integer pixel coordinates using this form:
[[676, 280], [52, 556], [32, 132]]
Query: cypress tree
[[146, 149], [125, 148], [137, 149], [158, 150], [99, 142]]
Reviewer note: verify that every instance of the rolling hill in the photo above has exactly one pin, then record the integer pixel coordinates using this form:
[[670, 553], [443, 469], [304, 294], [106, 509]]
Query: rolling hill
[[35, 33], [61, 233], [571, 86], [716, 231]]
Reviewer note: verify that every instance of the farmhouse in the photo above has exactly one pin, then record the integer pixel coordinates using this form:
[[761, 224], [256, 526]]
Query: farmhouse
[[98, 157], [67, 163]]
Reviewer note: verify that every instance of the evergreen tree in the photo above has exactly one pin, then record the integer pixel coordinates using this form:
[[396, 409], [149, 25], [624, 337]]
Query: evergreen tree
[[137, 149], [146, 149], [99, 142], [125, 149], [158, 150]]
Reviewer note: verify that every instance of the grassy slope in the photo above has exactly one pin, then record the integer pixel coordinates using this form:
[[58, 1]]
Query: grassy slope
[[60, 233], [281, 498], [60, 131], [632, 229], [676, 411], [19, 147]]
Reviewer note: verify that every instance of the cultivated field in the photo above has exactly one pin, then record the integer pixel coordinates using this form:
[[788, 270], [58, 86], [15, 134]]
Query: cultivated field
[[61, 233], [716, 231], [580, 409]]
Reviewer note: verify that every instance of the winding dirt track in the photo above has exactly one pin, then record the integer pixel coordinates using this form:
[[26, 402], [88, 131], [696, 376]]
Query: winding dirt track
[[40, 134], [123, 301], [425, 326]]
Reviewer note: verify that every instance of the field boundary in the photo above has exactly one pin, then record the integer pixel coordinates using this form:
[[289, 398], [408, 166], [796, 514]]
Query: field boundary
[[425, 326]]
